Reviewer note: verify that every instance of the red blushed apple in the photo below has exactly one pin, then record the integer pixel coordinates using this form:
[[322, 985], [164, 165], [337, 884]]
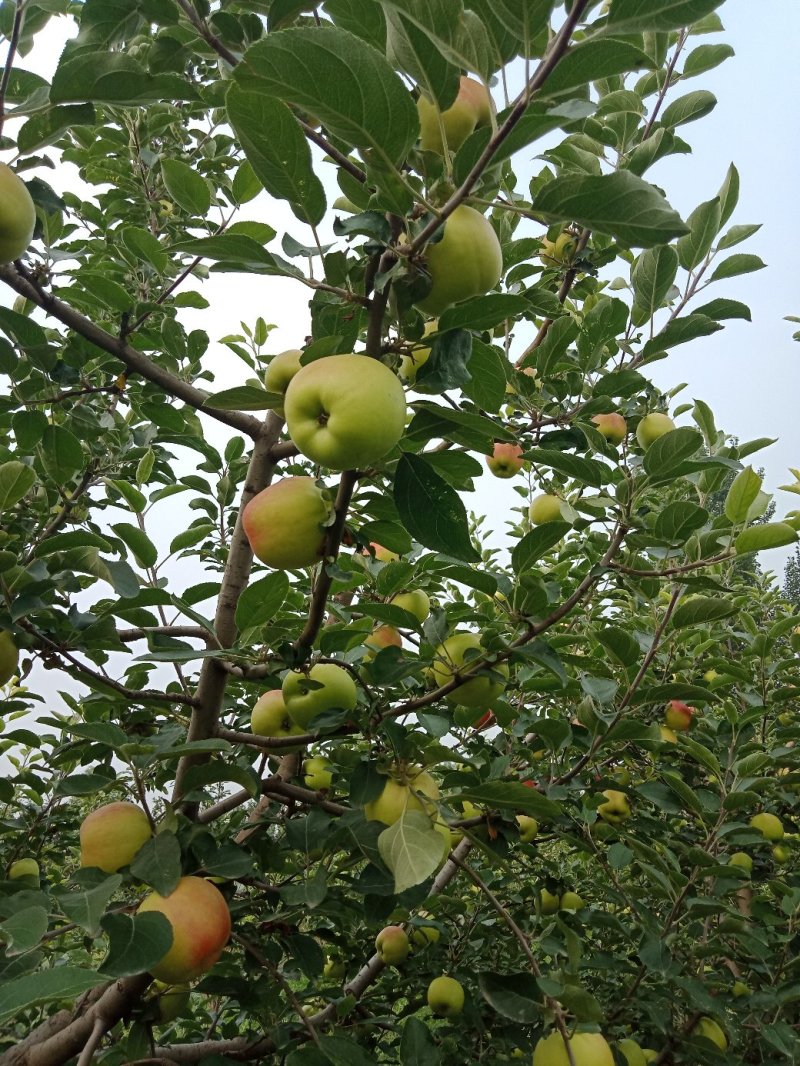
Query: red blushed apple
[[112, 835], [506, 460], [678, 716], [383, 555], [611, 426], [380, 638], [201, 926], [286, 523]]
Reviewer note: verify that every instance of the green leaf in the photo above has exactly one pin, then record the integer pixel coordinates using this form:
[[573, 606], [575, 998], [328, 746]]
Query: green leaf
[[158, 863], [277, 150], [620, 204], [45, 986], [23, 929], [135, 942], [703, 226], [112, 78], [621, 644], [262, 600], [16, 479], [652, 277], [211, 773], [487, 385], [537, 543], [412, 849], [144, 551], [144, 246], [680, 331], [734, 265], [627, 16], [769, 535], [431, 510], [86, 908], [722, 308], [417, 1047], [591, 60], [509, 795], [679, 520], [737, 234], [729, 194], [244, 398], [702, 609], [62, 453], [705, 57], [688, 108], [346, 84], [187, 188], [484, 312], [513, 995], [588, 471], [741, 495], [668, 452]]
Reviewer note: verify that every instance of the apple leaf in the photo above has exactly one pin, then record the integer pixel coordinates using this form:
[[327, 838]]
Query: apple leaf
[[704, 609], [44, 986], [431, 510], [627, 16], [514, 995], [666, 454], [135, 942], [509, 795], [158, 863], [417, 1047], [652, 275], [769, 535], [412, 849], [24, 929], [15, 480], [262, 600], [742, 494], [86, 908]]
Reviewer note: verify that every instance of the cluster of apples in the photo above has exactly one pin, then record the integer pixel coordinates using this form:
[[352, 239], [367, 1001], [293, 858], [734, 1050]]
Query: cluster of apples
[[549, 902], [592, 1049]]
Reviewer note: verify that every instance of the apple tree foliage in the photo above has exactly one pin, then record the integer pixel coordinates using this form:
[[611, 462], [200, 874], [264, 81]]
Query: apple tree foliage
[[147, 633]]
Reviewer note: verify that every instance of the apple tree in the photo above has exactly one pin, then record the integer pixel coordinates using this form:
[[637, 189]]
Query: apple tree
[[302, 762]]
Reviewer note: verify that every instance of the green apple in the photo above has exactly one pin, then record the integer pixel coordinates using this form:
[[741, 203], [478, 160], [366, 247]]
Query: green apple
[[616, 809], [742, 860], [472, 108], [768, 825], [632, 1053], [423, 935], [650, 1055], [112, 835], [409, 789], [282, 368], [711, 1030], [410, 364], [548, 902], [588, 1049], [506, 460], [445, 996], [392, 945], [612, 426], [172, 1001], [285, 523], [710, 675], [335, 968], [571, 901], [451, 659], [545, 508], [9, 656], [781, 854], [17, 215], [652, 427], [416, 602], [269, 718], [466, 262], [317, 773], [678, 716], [740, 989], [558, 252], [23, 868], [334, 688], [345, 411], [528, 828]]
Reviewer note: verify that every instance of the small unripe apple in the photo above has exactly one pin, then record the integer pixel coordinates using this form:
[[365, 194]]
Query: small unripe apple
[[286, 522], [392, 945], [669, 736], [548, 902], [633, 1054], [481, 690], [17, 215], [650, 1055], [172, 1001], [337, 692], [415, 602], [23, 868], [270, 718], [545, 508], [382, 637], [740, 989], [384, 555], [400, 796], [201, 925], [768, 825], [112, 835], [616, 809], [467, 261], [282, 368], [678, 716], [445, 996], [422, 935], [652, 427], [588, 1049], [506, 460], [611, 426], [571, 901], [710, 675], [335, 969], [410, 364], [781, 853], [742, 860], [528, 828], [9, 655], [558, 252], [318, 774], [712, 1031]]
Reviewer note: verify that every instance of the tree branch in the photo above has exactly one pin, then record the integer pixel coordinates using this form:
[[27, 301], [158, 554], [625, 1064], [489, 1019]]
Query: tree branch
[[13, 43]]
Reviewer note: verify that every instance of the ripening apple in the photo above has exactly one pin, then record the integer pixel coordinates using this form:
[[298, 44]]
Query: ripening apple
[[668, 736], [172, 1001], [382, 637], [768, 825], [317, 773], [451, 659], [392, 945], [588, 1049], [285, 523], [201, 925], [742, 860], [338, 691], [445, 996], [383, 555], [506, 460], [712, 1031], [632, 1053], [466, 262], [345, 411], [112, 835], [410, 364], [650, 1054], [269, 718], [17, 215], [612, 426], [423, 935], [416, 602], [282, 368], [571, 901], [9, 655], [616, 809], [401, 794], [545, 508], [678, 716], [528, 828], [23, 868], [472, 108], [548, 902], [781, 853], [652, 427]]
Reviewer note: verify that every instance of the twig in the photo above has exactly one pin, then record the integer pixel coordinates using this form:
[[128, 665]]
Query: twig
[[16, 30], [92, 1043]]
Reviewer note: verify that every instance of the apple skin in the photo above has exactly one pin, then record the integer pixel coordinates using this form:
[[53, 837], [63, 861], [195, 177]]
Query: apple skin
[[652, 427], [335, 969], [399, 796], [742, 860], [548, 902], [338, 690], [23, 868], [9, 655], [17, 215], [415, 602], [588, 1049], [466, 262], [383, 555], [201, 926], [612, 426], [712, 1031], [781, 854], [616, 809], [410, 364], [679, 716], [632, 1053], [528, 828], [172, 1001], [285, 523], [545, 508], [668, 736], [282, 368], [480, 691], [382, 637], [112, 835], [269, 718], [472, 108], [506, 460], [650, 1054], [571, 901], [392, 945], [710, 675], [768, 825], [345, 411], [423, 935], [318, 774], [445, 997]]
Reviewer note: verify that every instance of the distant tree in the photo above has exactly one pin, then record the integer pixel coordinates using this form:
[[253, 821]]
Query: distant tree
[[791, 579]]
